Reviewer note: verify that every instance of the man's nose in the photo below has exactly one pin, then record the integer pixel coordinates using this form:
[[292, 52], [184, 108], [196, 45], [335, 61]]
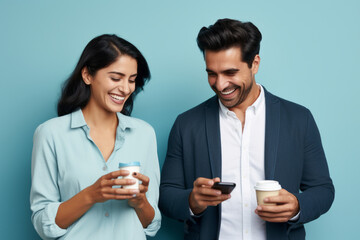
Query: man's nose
[[221, 83]]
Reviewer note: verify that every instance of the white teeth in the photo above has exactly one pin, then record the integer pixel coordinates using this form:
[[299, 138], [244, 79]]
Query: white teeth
[[228, 92], [116, 97]]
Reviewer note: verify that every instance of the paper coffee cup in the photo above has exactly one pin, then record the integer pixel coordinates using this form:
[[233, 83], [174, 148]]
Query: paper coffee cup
[[131, 167], [266, 188]]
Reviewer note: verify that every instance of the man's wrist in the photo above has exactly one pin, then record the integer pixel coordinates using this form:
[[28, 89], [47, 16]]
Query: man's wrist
[[194, 210], [295, 218]]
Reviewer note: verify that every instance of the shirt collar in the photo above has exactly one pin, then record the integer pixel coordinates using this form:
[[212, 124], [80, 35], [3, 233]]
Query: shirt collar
[[259, 101], [78, 120], [124, 121], [255, 106]]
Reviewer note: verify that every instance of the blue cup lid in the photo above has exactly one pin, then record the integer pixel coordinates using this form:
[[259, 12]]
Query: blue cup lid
[[130, 164]]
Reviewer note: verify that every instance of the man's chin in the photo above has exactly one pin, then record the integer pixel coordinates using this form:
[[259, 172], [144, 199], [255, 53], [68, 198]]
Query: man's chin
[[228, 103]]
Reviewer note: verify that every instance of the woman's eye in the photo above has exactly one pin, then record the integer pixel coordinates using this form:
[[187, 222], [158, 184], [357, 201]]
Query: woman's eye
[[115, 79], [131, 80]]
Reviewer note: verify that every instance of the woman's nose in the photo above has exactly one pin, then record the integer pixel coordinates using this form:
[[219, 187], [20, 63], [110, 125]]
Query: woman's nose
[[124, 86]]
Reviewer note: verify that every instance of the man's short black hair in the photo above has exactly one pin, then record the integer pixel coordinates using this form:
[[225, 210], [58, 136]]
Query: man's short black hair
[[227, 33]]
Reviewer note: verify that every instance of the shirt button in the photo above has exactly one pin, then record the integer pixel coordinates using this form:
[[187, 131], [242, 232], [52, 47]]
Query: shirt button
[[105, 168], [106, 214]]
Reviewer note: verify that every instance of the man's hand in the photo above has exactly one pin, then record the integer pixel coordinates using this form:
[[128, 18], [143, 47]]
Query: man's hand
[[203, 195], [287, 206]]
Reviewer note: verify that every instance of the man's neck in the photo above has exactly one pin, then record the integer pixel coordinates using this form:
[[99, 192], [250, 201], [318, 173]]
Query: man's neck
[[240, 109]]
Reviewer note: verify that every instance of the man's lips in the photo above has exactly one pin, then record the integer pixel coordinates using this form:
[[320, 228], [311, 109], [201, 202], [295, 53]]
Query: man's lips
[[228, 92]]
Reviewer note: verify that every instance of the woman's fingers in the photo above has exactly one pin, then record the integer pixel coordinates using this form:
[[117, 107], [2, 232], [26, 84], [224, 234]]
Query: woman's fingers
[[143, 178], [119, 191], [116, 182], [116, 174]]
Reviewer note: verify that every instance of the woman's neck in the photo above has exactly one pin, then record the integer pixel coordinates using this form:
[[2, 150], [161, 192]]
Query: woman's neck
[[98, 117]]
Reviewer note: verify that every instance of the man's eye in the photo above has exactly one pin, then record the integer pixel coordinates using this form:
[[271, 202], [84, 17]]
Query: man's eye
[[230, 73]]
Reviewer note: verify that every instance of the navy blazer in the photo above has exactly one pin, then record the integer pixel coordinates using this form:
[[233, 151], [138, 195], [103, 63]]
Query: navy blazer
[[294, 156]]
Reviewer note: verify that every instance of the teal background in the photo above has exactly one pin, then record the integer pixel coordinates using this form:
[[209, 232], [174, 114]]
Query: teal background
[[309, 54]]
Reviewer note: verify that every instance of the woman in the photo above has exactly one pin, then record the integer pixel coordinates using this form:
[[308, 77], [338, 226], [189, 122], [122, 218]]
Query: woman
[[76, 188]]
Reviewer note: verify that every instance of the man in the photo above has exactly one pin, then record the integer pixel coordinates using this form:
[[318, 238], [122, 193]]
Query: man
[[244, 134]]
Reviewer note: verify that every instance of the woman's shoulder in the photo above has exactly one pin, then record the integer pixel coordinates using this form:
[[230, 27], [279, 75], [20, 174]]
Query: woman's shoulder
[[135, 123], [53, 125]]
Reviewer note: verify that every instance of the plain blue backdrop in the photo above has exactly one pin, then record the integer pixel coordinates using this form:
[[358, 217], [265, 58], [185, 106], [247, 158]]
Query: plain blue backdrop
[[309, 54]]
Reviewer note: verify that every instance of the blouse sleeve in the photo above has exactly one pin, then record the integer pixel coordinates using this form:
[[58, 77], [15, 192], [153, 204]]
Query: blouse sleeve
[[44, 194], [153, 172]]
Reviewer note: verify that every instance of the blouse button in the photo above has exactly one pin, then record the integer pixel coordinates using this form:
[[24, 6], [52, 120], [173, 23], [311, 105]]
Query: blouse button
[[105, 168]]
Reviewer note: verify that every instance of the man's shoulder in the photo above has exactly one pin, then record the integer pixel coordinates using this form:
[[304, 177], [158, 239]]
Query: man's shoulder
[[198, 112], [286, 105]]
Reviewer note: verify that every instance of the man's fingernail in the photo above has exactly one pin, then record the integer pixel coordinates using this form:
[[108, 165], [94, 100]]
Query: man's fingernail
[[211, 182]]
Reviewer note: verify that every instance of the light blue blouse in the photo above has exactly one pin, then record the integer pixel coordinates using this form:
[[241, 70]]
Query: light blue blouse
[[65, 160]]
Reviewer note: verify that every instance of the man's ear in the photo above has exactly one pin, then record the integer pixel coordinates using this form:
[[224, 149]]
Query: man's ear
[[255, 64], [86, 76]]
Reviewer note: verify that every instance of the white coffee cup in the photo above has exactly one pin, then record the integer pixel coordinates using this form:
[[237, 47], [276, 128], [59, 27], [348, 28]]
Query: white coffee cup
[[131, 167], [266, 188]]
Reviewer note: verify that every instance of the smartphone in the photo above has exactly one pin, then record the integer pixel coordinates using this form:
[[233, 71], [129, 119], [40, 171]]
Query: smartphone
[[224, 187]]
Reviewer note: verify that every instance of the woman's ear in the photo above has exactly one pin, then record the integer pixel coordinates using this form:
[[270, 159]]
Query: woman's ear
[[86, 76]]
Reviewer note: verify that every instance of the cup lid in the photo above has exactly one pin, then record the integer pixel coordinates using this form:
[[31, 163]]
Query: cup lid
[[267, 185], [129, 164]]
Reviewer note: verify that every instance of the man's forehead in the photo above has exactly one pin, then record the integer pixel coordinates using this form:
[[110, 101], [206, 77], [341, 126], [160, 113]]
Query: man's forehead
[[223, 59], [233, 53]]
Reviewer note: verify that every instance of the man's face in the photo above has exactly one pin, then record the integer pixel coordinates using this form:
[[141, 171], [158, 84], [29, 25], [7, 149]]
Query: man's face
[[230, 78]]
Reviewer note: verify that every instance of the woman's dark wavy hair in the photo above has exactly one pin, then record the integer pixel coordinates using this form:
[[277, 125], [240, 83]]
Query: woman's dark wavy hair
[[99, 53], [227, 33]]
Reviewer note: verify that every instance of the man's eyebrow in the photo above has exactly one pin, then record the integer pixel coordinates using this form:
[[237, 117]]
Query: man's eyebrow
[[231, 70], [123, 75]]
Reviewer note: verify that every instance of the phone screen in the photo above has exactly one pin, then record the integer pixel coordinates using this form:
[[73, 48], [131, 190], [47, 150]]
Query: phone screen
[[224, 187]]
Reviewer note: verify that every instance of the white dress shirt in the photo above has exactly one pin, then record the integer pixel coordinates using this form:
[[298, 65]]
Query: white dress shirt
[[242, 163]]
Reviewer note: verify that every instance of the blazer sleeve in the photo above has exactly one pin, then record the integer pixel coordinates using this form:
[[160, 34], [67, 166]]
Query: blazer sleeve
[[174, 197], [317, 189]]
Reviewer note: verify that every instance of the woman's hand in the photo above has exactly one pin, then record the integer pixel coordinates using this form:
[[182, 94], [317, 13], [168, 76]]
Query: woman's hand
[[139, 200], [143, 209], [102, 190]]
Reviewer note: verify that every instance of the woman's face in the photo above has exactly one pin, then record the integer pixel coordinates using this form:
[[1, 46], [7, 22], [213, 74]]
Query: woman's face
[[112, 86]]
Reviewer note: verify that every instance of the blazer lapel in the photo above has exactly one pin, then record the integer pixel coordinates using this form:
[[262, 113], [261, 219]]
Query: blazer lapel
[[272, 127], [212, 126]]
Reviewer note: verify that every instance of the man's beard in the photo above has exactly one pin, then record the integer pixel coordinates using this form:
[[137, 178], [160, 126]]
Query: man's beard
[[244, 92]]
